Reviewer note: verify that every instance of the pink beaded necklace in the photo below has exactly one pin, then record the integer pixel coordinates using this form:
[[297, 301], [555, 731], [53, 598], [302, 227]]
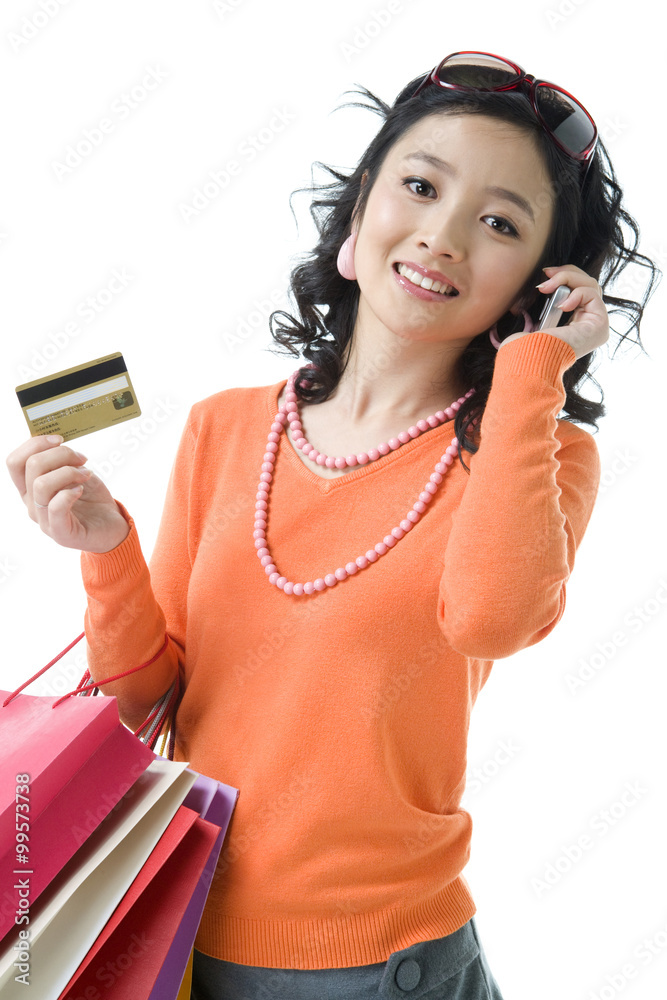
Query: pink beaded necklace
[[288, 411]]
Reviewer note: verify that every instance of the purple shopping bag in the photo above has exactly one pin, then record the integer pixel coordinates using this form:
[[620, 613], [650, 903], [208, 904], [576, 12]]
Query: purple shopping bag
[[214, 801]]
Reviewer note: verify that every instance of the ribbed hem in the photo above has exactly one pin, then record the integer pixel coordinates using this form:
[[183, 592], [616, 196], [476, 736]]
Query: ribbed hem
[[335, 943], [127, 558], [538, 353]]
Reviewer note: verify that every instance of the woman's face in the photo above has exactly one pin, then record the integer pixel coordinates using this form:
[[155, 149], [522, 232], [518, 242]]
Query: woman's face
[[482, 220]]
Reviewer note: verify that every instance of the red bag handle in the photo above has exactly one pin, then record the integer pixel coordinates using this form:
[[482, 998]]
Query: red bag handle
[[40, 672], [86, 686], [83, 687]]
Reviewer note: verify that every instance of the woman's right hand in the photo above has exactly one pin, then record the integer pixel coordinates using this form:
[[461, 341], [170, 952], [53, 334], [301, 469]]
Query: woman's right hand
[[45, 472]]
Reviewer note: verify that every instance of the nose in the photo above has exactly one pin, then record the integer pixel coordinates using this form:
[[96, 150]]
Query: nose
[[443, 235]]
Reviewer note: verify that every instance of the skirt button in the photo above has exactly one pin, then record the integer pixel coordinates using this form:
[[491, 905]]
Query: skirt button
[[408, 974]]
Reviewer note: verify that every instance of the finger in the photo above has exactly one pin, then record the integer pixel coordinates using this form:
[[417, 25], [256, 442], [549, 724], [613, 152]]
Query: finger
[[580, 298], [17, 459], [45, 488], [573, 301], [570, 276], [61, 501], [58, 515], [43, 460]]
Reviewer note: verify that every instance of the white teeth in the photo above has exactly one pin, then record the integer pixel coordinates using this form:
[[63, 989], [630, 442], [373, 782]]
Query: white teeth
[[429, 283]]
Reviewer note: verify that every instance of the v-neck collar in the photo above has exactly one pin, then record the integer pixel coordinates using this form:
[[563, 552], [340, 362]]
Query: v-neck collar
[[444, 430]]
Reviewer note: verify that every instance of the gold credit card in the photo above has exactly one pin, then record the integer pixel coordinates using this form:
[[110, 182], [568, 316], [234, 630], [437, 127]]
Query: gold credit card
[[80, 400]]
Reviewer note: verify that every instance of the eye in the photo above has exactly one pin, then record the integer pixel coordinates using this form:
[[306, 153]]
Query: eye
[[506, 228], [407, 181]]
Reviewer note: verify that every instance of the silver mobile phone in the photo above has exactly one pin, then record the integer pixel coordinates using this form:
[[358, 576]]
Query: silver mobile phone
[[551, 314]]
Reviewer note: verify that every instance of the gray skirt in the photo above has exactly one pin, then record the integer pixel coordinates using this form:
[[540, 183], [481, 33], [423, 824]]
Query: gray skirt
[[453, 967]]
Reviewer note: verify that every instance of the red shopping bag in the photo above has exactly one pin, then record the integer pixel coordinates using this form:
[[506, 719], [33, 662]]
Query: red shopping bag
[[128, 955]]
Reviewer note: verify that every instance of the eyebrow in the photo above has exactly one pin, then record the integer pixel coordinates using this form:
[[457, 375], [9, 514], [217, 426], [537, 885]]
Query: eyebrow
[[501, 192]]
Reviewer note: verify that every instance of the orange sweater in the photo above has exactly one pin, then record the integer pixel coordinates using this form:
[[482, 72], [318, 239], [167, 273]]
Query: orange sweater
[[343, 716]]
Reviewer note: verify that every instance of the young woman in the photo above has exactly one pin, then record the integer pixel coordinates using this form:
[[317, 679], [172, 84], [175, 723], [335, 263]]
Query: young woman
[[334, 579]]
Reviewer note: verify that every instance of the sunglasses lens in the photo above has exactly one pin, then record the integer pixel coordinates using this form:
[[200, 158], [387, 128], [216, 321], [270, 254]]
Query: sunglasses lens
[[477, 70], [567, 120]]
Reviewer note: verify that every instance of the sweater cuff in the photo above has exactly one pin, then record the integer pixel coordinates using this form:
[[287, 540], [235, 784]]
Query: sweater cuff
[[107, 567], [538, 353]]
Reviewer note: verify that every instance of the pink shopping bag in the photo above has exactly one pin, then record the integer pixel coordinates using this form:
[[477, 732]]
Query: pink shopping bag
[[64, 769]]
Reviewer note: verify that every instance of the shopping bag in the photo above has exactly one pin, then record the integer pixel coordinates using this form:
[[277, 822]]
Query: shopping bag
[[62, 769], [172, 965], [69, 915], [185, 989], [145, 949], [215, 802], [127, 956]]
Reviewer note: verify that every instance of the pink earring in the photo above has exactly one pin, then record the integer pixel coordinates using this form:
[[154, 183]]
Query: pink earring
[[345, 262], [528, 327]]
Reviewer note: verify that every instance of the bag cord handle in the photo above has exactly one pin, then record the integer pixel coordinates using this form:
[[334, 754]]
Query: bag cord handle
[[166, 705]]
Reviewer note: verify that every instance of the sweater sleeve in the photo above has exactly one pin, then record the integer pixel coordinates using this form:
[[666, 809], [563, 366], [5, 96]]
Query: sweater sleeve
[[529, 497], [131, 605]]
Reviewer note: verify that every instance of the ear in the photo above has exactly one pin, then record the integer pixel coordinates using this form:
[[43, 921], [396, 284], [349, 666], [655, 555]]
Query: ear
[[524, 302]]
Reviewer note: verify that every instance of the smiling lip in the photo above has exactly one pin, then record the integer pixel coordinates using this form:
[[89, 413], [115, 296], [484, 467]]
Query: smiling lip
[[427, 273]]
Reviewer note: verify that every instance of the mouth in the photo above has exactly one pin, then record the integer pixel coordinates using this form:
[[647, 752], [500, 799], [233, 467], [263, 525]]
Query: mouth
[[425, 288]]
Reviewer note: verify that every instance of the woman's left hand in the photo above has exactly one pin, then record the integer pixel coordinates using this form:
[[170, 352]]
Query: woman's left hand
[[589, 326]]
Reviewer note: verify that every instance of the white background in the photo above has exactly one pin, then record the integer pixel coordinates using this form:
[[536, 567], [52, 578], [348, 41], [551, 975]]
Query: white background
[[193, 284]]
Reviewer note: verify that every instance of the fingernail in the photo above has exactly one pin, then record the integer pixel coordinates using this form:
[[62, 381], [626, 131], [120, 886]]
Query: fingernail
[[543, 283], [79, 455], [55, 438]]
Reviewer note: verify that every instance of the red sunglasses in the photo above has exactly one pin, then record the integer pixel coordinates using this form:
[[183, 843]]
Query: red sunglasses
[[561, 115]]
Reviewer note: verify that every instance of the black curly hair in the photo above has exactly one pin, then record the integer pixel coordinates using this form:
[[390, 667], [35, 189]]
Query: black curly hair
[[591, 229]]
